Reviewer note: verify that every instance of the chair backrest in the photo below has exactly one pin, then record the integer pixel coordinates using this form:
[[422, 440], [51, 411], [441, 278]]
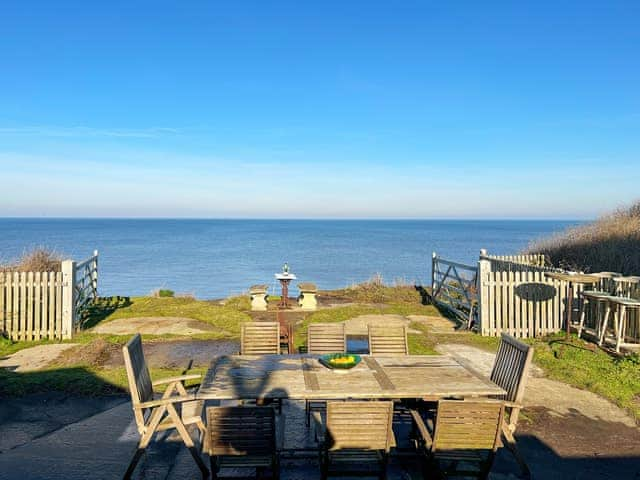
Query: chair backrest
[[467, 425], [388, 340], [359, 425], [138, 376], [511, 367], [240, 431], [260, 338], [326, 338]]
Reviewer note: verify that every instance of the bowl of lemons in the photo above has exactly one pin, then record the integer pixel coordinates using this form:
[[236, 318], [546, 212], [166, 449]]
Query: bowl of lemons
[[340, 361]]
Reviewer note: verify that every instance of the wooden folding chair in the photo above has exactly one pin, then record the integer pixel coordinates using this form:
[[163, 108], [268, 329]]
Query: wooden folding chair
[[465, 433], [242, 437], [388, 340], [260, 338], [155, 415], [511, 371], [323, 338], [357, 434]]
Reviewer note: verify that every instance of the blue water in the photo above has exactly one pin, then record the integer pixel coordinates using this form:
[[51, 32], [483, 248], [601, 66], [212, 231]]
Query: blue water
[[217, 258]]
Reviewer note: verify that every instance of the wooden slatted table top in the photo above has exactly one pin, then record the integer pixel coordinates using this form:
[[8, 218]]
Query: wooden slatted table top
[[304, 377]]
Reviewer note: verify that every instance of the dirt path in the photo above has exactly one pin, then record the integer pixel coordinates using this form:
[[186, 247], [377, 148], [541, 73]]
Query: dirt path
[[154, 326]]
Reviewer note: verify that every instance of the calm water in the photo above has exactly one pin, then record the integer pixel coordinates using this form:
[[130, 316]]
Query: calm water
[[217, 258]]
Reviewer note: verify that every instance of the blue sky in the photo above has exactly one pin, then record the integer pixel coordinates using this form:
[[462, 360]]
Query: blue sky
[[319, 109]]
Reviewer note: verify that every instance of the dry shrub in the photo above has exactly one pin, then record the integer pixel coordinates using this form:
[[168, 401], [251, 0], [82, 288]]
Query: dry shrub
[[37, 260], [611, 243]]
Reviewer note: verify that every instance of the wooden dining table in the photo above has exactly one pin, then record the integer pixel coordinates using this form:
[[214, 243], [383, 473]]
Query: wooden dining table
[[303, 377]]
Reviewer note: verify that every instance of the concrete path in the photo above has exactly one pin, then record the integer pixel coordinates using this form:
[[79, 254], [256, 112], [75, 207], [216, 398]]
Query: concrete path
[[153, 326], [359, 325], [34, 358], [568, 433]]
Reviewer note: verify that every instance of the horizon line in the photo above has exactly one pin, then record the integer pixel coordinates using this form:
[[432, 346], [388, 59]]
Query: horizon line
[[567, 219]]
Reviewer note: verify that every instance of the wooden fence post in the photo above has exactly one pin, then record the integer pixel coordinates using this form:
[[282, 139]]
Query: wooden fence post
[[433, 272], [484, 267], [94, 274], [68, 298]]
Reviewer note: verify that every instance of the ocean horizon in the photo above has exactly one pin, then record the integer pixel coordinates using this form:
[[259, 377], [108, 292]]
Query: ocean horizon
[[216, 258]]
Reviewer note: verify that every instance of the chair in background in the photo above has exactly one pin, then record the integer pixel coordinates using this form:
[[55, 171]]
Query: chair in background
[[260, 338], [242, 437], [155, 415], [323, 338], [326, 338], [356, 439], [464, 433], [511, 371], [388, 340]]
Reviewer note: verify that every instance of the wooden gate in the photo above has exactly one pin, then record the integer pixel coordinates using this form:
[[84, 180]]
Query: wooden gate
[[453, 286]]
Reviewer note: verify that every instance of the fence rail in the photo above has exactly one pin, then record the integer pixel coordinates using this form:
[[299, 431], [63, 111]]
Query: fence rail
[[40, 305]]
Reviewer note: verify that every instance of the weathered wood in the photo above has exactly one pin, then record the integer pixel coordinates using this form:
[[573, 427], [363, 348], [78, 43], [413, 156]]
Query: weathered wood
[[464, 432], [154, 416], [303, 377], [326, 338], [388, 340], [260, 338], [357, 437], [241, 437]]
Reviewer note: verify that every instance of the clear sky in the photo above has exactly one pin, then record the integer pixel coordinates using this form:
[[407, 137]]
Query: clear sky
[[319, 109]]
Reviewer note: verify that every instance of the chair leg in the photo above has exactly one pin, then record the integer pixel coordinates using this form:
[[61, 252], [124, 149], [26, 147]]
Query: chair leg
[[604, 323], [621, 324], [513, 448], [214, 467], [134, 463]]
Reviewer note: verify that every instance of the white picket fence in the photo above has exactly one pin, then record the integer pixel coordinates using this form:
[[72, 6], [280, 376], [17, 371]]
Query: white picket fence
[[502, 294], [47, 305]]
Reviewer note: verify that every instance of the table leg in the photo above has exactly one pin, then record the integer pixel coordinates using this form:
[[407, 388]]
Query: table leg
[[569, 308]]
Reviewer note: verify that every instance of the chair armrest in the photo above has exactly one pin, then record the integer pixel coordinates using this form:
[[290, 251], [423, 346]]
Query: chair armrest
[[181, 378], [166, 401], [422, 428]]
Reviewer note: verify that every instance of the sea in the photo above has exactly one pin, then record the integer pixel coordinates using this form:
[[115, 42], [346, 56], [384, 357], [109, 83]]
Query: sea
[[216, 258]]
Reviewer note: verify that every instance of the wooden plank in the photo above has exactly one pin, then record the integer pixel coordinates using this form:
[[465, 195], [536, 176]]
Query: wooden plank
[[15, 306], [37, 301], [310, 379], [58, 319], [23, 306], [3, 312], [29, 298], [380, 375]]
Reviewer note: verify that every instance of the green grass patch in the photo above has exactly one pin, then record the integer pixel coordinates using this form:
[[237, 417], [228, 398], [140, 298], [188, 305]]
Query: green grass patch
[[227, 318], [580, 364]]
